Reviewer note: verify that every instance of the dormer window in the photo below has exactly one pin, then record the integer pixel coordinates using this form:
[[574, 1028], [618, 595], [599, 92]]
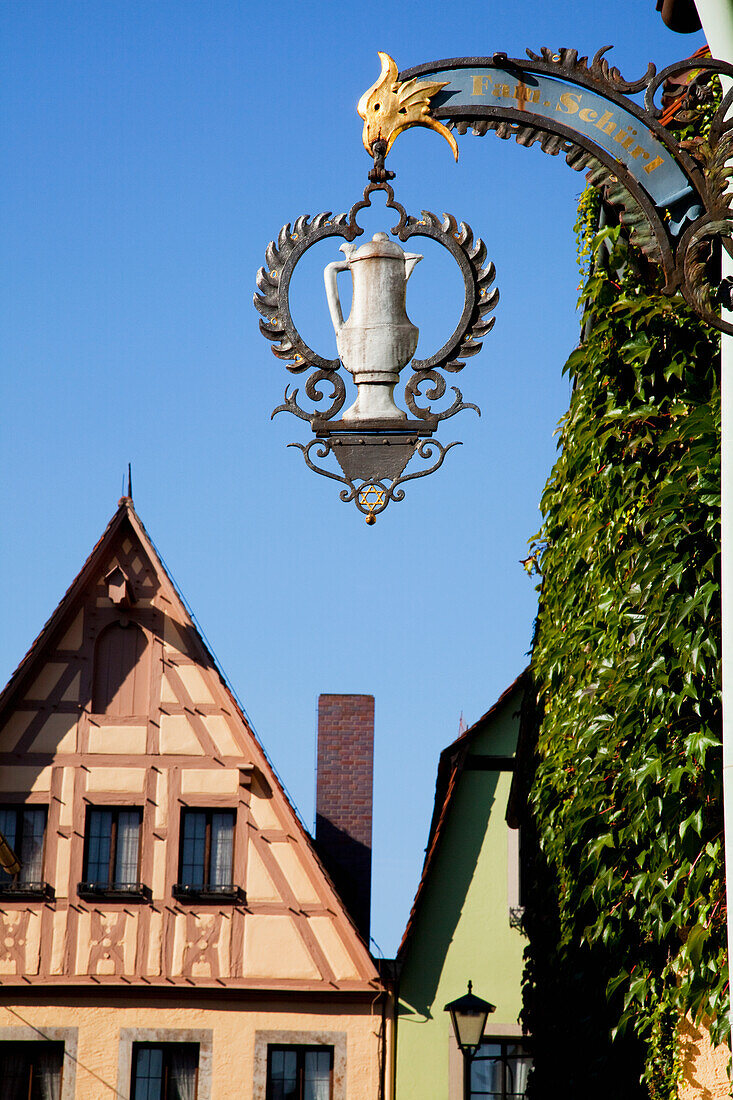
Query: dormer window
[[121, 671]]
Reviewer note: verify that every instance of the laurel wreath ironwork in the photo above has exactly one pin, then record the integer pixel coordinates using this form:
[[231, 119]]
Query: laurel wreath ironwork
[[276, 324]]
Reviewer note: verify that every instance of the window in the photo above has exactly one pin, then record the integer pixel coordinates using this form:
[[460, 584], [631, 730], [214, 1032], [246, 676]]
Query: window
[[165, 1071], [499, 1070], [299, 1073], [24, 828], [121, 671], [30, 1071], [112, 858], [207, 852]]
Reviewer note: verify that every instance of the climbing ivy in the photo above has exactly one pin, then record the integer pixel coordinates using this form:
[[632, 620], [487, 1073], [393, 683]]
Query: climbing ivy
[[585, 228], [626, 794]]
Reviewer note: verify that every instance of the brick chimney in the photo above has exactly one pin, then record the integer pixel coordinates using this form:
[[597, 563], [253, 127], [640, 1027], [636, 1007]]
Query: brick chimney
[[344, 781]]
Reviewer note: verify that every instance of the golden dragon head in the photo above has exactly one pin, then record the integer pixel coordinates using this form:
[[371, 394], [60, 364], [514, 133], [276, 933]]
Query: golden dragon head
[[390, 106]]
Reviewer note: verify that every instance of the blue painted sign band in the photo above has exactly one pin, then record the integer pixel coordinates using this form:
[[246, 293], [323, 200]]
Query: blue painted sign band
[[615, 129]]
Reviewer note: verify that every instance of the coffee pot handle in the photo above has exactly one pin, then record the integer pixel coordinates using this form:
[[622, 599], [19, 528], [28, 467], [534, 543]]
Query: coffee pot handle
[[332, 292]]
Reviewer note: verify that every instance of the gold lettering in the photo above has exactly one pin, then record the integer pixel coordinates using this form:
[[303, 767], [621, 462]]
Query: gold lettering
[[629, 140], [588, 114], [525, 94], [569, 103], [502, 89], [654, 164], [605, 124], [481, 84], [639, 152]]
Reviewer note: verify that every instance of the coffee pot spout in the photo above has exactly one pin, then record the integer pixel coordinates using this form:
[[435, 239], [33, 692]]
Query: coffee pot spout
[[411, 261]]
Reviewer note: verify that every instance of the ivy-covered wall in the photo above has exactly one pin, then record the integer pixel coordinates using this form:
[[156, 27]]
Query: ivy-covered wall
[[626, 923]]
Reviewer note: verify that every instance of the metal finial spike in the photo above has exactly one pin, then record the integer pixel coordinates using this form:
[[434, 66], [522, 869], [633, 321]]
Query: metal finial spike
[[470, 985], [129, 480]]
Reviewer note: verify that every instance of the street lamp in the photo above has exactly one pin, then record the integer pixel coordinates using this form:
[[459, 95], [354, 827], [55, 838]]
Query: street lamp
[[468, 1015]]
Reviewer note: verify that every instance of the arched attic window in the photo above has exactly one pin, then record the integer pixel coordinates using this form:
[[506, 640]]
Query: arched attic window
[[121, 671]]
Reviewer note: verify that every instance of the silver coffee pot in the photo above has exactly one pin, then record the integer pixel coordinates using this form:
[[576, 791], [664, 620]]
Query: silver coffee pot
[[378, 339]]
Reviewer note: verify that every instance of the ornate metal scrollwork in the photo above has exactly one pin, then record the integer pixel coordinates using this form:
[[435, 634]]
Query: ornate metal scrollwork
[[714, 227], [371, 495], [675, 227], [599, 70], [374, 452], [473, 325]]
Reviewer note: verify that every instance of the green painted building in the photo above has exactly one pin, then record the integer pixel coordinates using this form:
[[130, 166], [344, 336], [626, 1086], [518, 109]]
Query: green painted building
[[464, 923]]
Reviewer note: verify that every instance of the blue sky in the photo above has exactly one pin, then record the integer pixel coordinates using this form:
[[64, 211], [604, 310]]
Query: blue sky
[[152, 151]]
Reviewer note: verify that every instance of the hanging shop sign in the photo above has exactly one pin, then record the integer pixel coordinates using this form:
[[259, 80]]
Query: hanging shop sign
[[671, 196], [374, 439]]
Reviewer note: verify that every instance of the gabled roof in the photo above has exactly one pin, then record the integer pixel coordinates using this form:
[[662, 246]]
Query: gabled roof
[[25, 668], [125, 513], [126, 524], [450, 769]]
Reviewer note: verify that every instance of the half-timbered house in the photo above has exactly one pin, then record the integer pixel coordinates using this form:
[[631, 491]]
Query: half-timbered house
[[171, 934]]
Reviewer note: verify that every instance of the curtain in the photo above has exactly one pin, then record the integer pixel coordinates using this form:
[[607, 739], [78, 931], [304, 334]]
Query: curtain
[[31, 851], [48, 1073], [317, 1083], [521, 1068], [8, 827], [13, 1073], [184, 1061], [222, 848], [128, 833]]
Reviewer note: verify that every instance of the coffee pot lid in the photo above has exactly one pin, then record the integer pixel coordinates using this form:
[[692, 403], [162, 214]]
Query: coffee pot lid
[[379, 247]]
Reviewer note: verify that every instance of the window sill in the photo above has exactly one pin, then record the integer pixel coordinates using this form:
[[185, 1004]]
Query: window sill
[[231, 894], [114, 891], [26, 891]]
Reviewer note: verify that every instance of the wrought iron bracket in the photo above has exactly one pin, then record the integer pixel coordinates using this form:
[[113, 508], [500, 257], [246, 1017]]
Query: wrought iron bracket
[[581, 109]]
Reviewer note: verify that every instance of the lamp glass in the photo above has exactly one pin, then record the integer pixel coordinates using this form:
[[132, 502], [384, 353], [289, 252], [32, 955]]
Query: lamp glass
[[469, 1028]]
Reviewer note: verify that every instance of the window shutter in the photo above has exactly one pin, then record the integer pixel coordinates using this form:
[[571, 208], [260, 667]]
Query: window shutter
[[121, 671]]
